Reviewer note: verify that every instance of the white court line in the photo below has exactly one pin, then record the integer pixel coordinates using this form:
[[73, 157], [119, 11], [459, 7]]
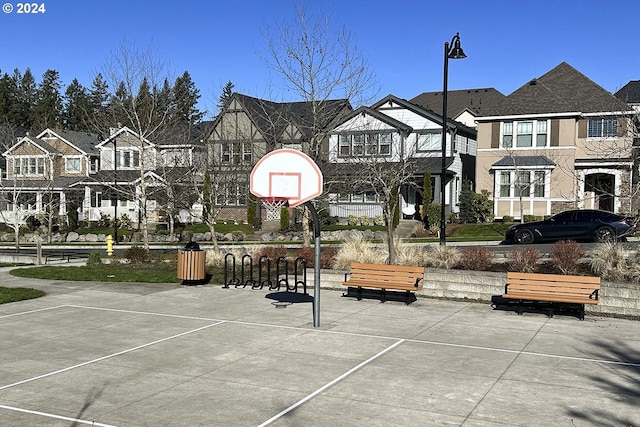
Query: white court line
[[89, 362], [438, 343], [330, 384], [32, 311], [57, 417]]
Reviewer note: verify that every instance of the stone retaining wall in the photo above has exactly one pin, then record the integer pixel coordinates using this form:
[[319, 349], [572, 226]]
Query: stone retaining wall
[[616, 299]]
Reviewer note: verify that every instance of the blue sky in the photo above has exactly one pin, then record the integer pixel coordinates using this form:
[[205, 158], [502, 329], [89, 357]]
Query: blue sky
[[507, 42]]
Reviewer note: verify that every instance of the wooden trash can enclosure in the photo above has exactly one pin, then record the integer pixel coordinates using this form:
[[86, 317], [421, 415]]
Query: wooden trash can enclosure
[[191, 264]]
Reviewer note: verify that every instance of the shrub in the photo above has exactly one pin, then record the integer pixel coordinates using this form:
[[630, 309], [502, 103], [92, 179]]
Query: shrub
[[608, 261], [356, 249], [94, 259], [419, 231], [523, 260], [408, 254], [137, 255], [271, 252], [125, 222], [442, 257], [508, 218], [327, 256], [378, 220], [352, 220], [565, 256], [477, 258], [634, 268], [365, 220], [284, 219]]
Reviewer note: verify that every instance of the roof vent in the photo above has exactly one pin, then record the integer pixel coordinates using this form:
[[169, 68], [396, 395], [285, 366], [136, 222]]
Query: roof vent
[[533, 82]]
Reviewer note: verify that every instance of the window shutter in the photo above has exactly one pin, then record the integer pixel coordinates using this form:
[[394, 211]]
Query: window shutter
[[622, 127], [495, 135], [555, 133], [582, 128]]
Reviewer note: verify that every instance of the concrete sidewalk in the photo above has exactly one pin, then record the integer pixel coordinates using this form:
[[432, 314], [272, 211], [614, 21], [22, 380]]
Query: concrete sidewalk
[[166, 355]]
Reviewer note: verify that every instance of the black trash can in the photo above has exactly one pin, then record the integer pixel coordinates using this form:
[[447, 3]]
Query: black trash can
[[191, 264]]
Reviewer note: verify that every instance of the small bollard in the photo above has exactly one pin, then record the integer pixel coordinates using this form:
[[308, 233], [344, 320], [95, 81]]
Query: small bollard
[[109, 245]]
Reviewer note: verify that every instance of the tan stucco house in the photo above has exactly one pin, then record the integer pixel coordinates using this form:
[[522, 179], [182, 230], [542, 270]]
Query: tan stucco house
[[560, 141]]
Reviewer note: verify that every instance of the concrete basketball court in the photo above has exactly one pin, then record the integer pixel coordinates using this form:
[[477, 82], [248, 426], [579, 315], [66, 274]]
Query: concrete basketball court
[[166, 355]]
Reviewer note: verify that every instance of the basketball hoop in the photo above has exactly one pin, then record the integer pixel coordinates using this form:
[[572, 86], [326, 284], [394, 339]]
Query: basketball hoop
[[273, 206]]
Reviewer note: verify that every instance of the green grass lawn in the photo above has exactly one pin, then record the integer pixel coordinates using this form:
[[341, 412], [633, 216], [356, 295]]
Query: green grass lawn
[[156, 272], [18, 294]]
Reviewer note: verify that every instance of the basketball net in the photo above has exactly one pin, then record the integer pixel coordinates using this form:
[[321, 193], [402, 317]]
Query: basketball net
[[273, 206]]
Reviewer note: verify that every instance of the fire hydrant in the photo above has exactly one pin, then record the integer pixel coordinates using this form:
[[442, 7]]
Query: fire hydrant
[[109, 245]]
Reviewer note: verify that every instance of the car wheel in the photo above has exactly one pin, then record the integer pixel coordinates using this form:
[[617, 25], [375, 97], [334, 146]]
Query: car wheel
[[604, 234], [524, 236]]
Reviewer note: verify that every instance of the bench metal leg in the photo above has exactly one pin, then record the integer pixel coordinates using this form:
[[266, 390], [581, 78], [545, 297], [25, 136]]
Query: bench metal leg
[[384, 295]]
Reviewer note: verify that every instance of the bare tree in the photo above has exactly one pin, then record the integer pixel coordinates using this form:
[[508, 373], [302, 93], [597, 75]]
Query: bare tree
[[140, 102], [319, 62]]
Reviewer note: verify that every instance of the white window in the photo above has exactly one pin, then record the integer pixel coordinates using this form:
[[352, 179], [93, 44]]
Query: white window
[[364, 144], [28, 166], [526, 134], [505, 184], [523, 183], [72, 164], [602, 128], [430, 141], [128, 158]]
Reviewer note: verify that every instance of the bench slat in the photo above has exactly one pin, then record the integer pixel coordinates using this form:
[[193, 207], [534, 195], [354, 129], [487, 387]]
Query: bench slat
[[552, 288], [385, 277]]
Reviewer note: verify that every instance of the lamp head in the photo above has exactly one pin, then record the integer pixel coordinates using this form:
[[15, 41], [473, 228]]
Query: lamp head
[[456, 52]]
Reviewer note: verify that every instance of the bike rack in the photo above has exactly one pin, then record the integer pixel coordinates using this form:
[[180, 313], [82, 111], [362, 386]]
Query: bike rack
[[245, 277]]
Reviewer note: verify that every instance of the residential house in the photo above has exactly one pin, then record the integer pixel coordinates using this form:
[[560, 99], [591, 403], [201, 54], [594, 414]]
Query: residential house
[[247, 128], [393, 131], [560, 141], [153, 171], [41, 172], [59, 171]]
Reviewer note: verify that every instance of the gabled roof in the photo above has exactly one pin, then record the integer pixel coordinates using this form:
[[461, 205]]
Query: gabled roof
[[477, 101], [120, 131], [630, 93], [402, 127], [421, 111], [84, 142], [181, 136], [561, 90], [271, 118], [42, 145]]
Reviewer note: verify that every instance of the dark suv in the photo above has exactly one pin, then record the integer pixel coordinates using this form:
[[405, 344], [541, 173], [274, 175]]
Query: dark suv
[[579, 224]]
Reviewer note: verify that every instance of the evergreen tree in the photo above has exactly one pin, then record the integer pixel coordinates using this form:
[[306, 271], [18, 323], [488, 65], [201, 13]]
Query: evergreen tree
[[186, 97], [225, 96], [8, 92], [98, 103], [47, 111], [21, 111], [77, 107], [467, 197]]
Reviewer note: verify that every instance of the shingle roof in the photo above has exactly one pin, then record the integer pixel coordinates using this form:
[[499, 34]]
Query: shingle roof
[[476, 100], [83, 140], [561, 90], [271, 118], [523, 161], [630, 93]]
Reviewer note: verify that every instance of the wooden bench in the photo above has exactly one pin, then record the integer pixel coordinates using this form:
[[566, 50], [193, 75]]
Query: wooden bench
[[555, 290], [384, 277]]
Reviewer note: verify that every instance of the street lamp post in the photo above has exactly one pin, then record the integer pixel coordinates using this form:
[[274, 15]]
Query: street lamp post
[[115, 192], [454, 51]]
